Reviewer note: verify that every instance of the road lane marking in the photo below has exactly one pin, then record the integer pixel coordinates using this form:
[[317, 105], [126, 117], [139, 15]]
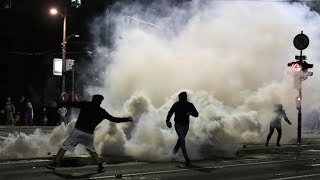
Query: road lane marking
[[313, 165], [297, 177], [24, 161], [190, 169]]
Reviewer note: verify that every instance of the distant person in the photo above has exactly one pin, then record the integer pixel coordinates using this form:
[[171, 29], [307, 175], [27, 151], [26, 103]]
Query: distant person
[[29, 113], [62, 111], [278, 114], [9, 110], [182, 109], [91, 114]]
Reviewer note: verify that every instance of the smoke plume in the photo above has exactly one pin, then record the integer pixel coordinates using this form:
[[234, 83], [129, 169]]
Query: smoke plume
[[230, 56]]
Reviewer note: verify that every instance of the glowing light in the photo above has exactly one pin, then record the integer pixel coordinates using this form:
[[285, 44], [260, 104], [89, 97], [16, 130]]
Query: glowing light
[[57, 67], [299, 98], [53, 11], [296, 67]]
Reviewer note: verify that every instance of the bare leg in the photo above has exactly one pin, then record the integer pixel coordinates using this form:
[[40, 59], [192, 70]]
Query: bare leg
[[60, 155], [97, 160], [95, 157], [57, 159]]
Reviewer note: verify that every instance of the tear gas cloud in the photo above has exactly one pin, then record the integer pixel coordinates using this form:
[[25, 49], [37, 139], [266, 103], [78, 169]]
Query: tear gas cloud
[[231, 58]]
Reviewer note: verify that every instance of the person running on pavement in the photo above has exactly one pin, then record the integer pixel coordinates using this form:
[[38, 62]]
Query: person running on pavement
[[91, 114], [182, 110], [278, 114]]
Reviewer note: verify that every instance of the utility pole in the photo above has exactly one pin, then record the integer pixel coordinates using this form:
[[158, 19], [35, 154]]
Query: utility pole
[[64, 51], [300, 67], [72, 92]]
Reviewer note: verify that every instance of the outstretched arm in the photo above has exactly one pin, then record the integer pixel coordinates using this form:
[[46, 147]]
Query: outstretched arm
[[116, 119], [285, 117]]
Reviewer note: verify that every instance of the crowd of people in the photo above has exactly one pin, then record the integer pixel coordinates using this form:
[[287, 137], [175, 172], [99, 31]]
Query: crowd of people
[[22, 112]]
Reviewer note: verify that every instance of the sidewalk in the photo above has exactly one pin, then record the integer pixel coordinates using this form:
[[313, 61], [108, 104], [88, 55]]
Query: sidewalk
[[307, 144], [5, 130]]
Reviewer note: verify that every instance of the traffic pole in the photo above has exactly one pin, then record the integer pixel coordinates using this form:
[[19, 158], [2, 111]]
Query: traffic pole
[[299, 117], [300, 109]]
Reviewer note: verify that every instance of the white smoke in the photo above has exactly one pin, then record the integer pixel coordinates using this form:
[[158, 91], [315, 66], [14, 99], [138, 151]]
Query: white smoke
[[231, 58]]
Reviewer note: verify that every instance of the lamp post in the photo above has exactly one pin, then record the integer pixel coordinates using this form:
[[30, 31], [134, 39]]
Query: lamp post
[[54, 11], [64, 52]]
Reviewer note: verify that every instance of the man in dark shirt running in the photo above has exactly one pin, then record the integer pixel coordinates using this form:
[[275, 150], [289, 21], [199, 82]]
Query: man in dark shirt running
[[91, 114], [182, 109]]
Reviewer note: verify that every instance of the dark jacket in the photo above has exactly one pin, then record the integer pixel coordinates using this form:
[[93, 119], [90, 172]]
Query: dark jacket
[[91, 115], [181, 110]]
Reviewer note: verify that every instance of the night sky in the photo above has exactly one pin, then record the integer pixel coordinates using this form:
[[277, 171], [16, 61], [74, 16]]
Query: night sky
[[30, 38]]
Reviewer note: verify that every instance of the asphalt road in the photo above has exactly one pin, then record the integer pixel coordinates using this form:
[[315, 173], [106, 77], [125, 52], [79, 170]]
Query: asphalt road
[[253, 162], [288, 162]]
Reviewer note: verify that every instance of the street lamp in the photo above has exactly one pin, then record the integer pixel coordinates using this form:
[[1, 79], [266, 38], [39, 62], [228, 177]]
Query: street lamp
[[54, 11]]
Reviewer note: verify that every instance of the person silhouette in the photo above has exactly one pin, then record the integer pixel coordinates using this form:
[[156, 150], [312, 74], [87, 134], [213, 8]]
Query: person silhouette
[[278, 114], [182, 110], [9, 110], [91, 114]]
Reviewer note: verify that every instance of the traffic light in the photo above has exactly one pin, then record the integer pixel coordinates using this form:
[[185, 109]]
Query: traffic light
[[301, 65], [301, 72], [296, 66], [298, 102], [301, 61]]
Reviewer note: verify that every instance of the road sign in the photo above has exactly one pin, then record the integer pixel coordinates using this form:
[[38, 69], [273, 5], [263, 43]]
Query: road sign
[[301, 41], [57, 67], [69, 64]]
